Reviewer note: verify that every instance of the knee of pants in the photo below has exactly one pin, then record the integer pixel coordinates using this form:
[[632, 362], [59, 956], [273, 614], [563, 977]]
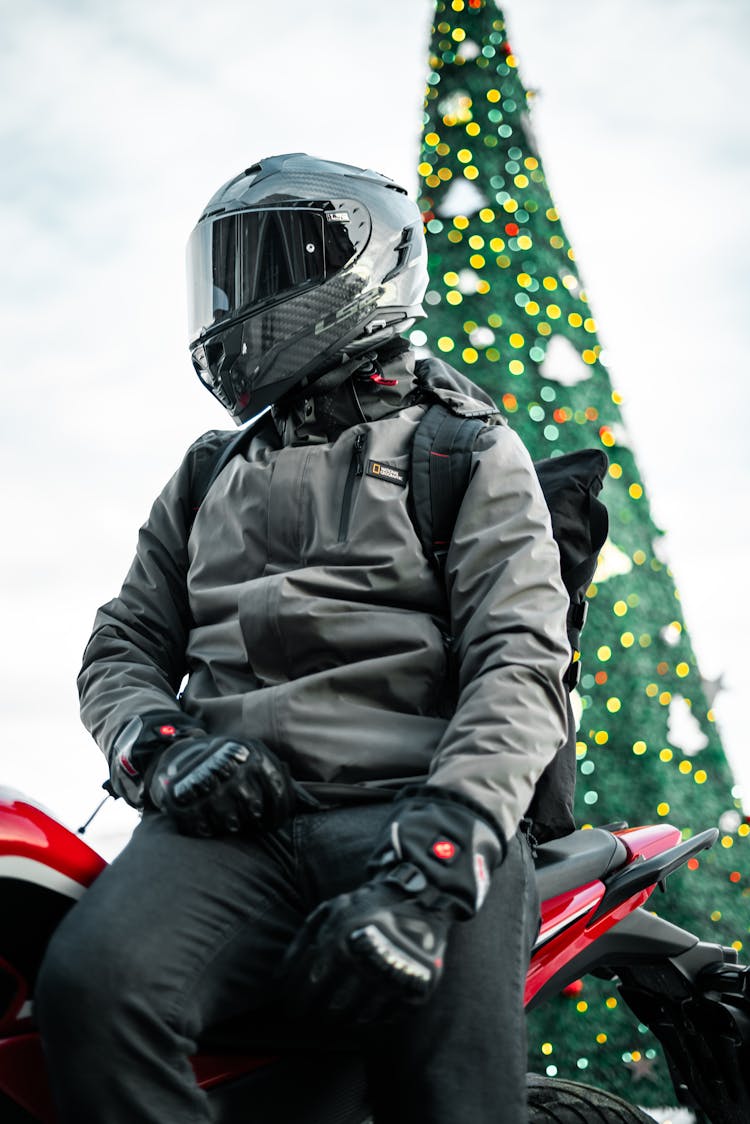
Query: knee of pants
[[84, 981]]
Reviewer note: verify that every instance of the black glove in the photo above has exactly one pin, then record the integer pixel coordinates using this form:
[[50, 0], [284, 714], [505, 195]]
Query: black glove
[[208, 785], [218, 786], [367, 954]]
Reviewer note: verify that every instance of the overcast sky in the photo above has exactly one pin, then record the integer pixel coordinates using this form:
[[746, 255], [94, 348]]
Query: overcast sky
[[119, 120]]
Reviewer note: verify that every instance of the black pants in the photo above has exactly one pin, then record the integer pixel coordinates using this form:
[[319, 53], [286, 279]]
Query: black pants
[[179, 934]]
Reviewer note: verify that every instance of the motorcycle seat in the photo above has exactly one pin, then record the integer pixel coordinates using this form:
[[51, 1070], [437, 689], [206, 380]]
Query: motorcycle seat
[[575, 859]]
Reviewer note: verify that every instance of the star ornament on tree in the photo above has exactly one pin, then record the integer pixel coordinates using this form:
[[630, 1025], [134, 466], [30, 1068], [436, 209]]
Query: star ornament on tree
[[643, 1069]]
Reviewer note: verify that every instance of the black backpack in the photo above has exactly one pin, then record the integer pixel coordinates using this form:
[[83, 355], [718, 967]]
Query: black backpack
[[441, 456]]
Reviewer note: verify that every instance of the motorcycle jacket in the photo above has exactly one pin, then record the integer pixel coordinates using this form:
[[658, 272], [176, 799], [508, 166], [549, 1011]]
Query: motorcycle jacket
[[297, 607]]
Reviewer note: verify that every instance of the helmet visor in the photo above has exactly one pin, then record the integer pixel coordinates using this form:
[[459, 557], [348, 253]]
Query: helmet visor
[[239, 262]]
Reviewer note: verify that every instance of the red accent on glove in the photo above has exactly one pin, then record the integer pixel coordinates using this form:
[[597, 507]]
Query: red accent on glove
[[444, 850]]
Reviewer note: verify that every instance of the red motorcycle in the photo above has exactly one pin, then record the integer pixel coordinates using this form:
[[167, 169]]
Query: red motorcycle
[[593, 884]]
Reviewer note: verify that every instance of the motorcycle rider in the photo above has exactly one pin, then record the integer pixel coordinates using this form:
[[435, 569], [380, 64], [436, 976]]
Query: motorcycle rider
[[323, 819]]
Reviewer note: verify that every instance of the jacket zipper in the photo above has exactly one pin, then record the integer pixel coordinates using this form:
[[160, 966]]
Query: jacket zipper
[[356, 468]]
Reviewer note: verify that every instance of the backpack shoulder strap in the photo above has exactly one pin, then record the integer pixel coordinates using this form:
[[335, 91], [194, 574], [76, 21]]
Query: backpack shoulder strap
[[205, 469], [440, 469]]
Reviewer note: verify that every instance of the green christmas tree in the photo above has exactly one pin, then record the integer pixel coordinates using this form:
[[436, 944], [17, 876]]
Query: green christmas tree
[[506, 304]]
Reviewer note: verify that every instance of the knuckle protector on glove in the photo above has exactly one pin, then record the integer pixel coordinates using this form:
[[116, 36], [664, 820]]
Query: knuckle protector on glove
[[216, 786]]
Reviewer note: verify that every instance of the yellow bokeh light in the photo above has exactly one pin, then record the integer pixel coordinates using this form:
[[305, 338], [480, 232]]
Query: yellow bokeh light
[[685, 767], [453, 297], [524, 242], [620, 608], [445, 343], [450, 277], [613, 705], [611, 1002], [665, 754], [476, 261], [547, 1048], [627, 640], [635, 491], [550, 283], [700, 776], [515, 339], [553, 311], [639, 748], [662, 809], [487, 215], [682, 669], [601, 737], [493, 95], [516, 367], [461, 222], [432, 139]]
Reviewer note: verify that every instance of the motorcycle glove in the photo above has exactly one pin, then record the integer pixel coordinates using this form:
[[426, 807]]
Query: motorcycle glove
[[369, 954], [209, 785]]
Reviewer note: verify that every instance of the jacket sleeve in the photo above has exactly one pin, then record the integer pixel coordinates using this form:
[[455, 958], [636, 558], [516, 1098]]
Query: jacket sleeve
[[135, 659], [508, 609]]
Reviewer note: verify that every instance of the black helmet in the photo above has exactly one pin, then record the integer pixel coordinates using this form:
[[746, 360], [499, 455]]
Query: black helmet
[[296, 264]]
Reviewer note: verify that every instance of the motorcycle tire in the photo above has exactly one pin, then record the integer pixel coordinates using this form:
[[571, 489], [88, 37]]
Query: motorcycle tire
[[556, 1101]]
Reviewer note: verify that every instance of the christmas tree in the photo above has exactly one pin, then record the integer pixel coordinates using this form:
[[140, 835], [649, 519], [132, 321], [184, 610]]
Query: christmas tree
[[506, 303]]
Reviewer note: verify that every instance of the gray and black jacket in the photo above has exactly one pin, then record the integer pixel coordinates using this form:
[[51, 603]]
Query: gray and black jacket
[[296, 606]]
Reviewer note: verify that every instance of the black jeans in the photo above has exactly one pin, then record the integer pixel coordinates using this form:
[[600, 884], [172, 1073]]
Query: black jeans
[[180, 934]]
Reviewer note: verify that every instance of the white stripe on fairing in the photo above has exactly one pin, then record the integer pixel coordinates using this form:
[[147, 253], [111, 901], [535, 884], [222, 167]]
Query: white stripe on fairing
[[29, 870], [548, 933]]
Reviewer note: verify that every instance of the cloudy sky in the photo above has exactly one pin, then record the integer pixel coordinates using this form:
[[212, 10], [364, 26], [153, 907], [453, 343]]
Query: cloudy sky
[[119, 120]]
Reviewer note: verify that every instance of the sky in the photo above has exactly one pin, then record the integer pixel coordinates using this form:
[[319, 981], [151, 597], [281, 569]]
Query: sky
[[119, 121]]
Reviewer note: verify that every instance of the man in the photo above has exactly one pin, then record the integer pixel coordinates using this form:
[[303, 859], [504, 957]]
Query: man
[[327, 819]]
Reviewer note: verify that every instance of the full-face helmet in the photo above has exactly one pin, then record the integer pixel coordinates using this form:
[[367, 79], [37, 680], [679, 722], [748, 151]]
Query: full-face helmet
[[295, 265]]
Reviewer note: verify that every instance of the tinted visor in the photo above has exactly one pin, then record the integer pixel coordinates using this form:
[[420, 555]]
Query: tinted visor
[[241, 261]]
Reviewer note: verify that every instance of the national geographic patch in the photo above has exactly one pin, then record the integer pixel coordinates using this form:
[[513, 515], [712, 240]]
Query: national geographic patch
[[387, 472]]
